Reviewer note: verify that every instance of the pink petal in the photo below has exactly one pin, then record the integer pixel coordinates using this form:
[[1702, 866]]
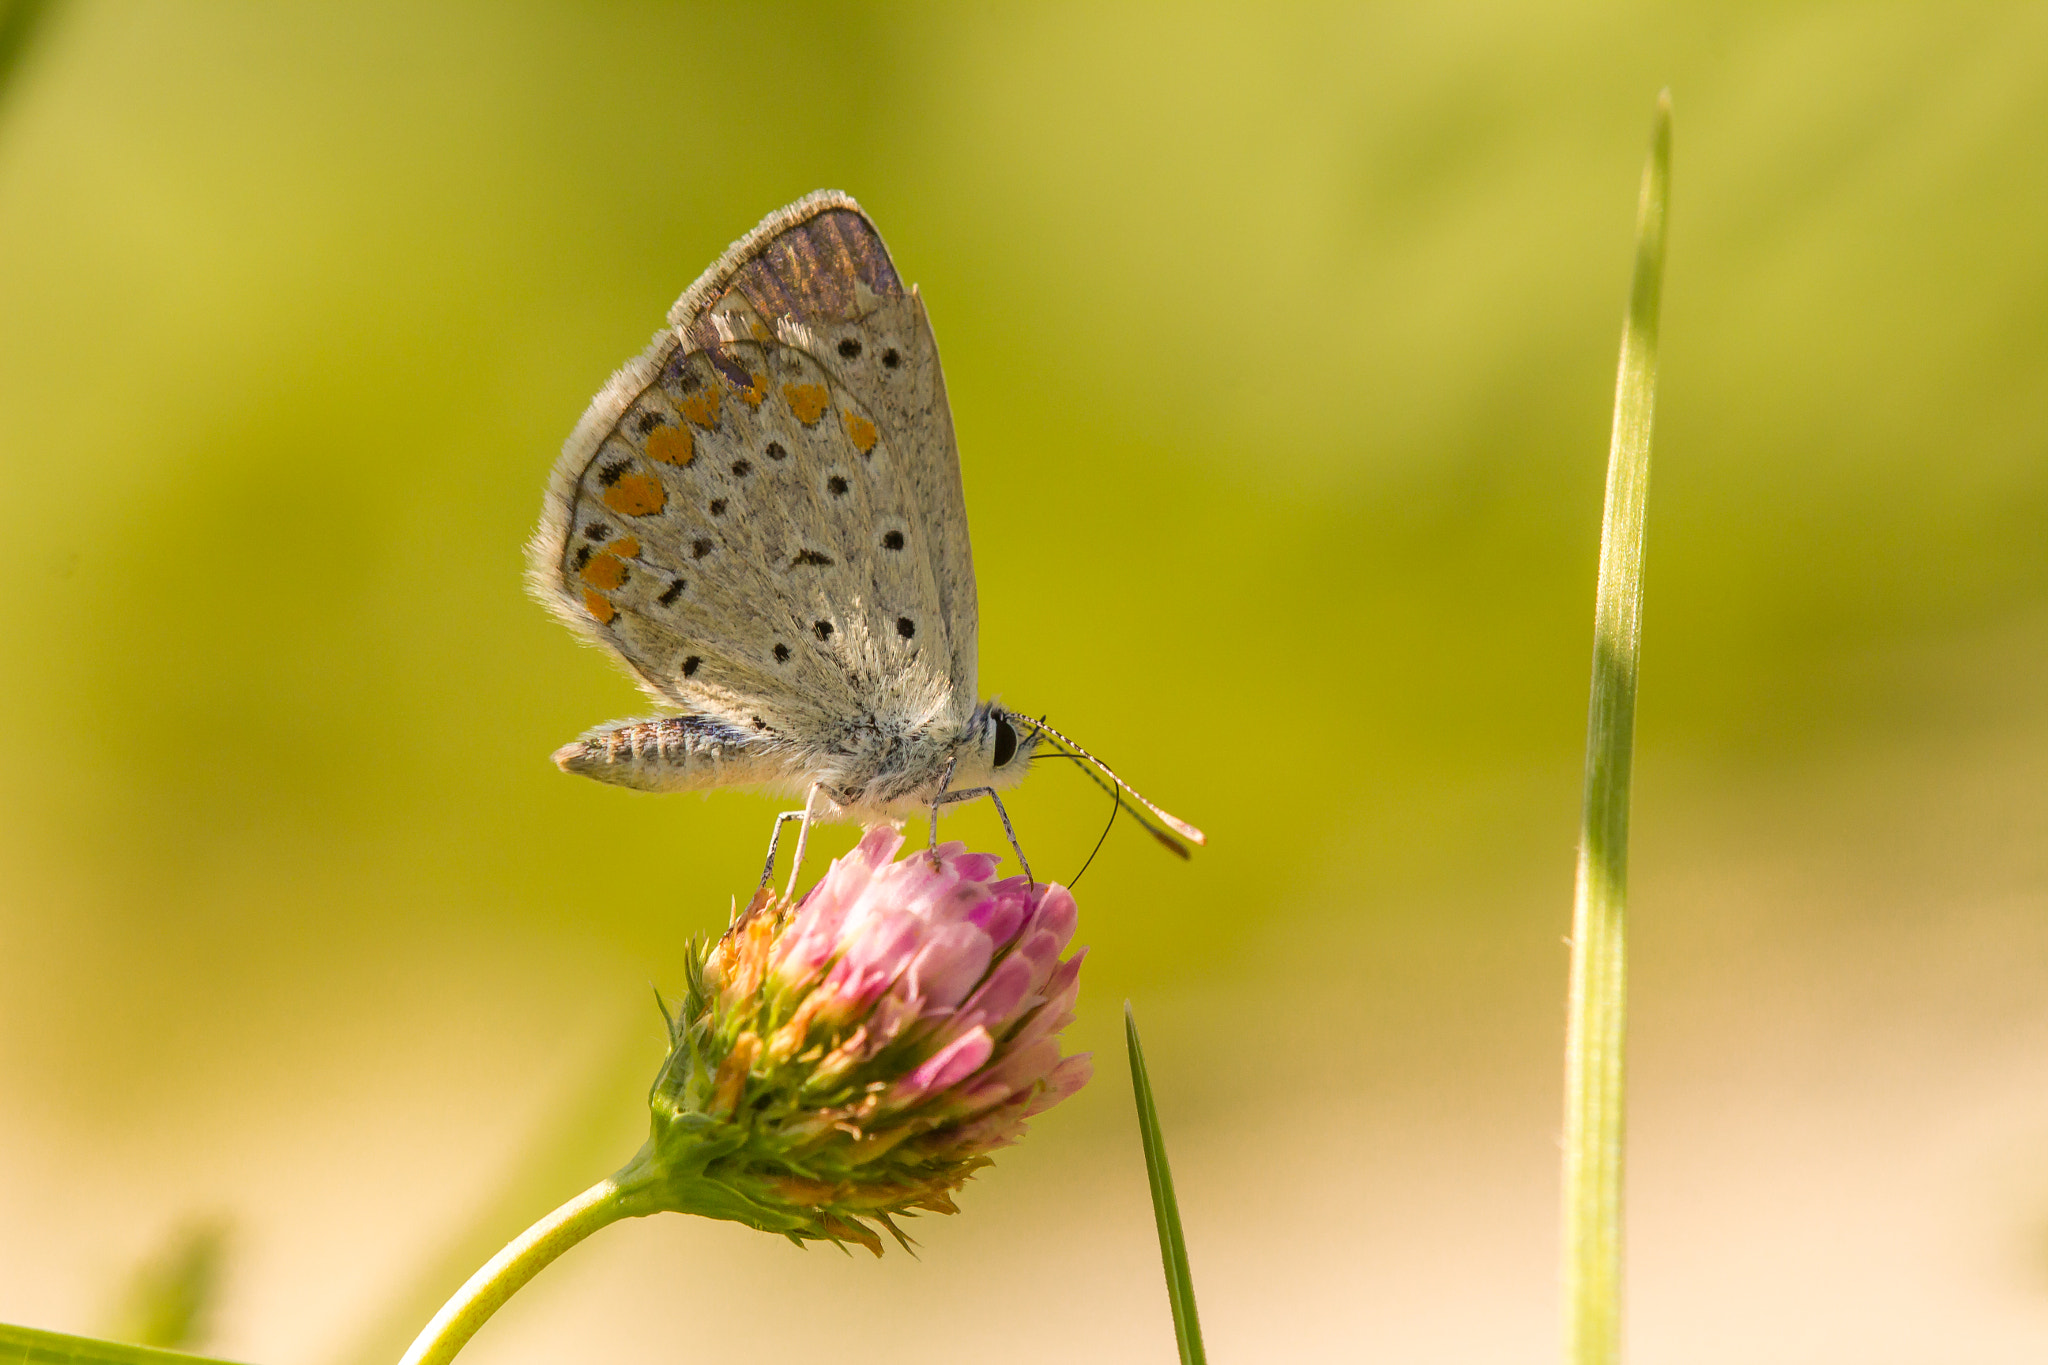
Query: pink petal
[[973, 867], [952, 958], [872, 961], [979, 1094], [879, 845], [1042, 953], [819, 927], [950, 1065], [1058, 1010], [1021, 1067], [1056, 914], [1003, 914], [999, 1127], [1069, 1076], [1001, 994], [958, 905]]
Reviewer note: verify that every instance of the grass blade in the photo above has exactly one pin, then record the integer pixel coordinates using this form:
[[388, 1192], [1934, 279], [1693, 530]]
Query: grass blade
[[1173, 1249], [1594, 1095], [27, 1346]]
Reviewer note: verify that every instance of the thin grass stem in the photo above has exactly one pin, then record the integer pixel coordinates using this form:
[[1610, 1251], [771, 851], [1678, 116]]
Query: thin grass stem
[[1594, 1046], [1173, 1248]]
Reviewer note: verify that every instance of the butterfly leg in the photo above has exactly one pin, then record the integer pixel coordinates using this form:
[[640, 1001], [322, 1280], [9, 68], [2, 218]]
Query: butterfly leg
[[945, 780], [803, 835], [946, 798]]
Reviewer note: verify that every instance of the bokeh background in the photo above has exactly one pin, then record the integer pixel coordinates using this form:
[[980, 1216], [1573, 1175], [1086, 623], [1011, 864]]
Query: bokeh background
[[1281, 341]]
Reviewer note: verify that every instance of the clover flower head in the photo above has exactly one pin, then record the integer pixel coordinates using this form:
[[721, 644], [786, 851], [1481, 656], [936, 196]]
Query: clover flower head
[[858, 1054]]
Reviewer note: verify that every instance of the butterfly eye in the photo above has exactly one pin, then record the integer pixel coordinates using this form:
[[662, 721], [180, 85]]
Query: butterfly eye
[[1006, 741]]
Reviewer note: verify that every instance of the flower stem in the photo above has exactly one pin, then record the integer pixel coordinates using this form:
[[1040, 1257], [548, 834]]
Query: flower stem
[[525, 1256], [1594, 1095]]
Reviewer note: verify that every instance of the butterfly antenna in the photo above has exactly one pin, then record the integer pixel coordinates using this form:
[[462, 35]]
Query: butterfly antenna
[[1115, 804], [1172, 822], [1119, 802]]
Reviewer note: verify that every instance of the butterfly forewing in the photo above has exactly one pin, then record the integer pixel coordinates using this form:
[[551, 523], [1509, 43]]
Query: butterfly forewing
[[762, 515]]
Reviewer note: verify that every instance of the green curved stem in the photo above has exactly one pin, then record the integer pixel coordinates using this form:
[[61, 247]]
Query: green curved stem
[[524, 1257]]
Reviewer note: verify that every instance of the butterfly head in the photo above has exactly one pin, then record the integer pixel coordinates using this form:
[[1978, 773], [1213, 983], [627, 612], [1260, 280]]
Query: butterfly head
[[996, 748]]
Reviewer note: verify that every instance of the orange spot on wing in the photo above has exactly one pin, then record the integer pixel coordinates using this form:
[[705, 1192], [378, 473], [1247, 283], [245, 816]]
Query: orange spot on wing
[[756, 391], [807, 401], [605, 571], [701, 407], [861, 430], [625, 547], [594, 603], [671, 445], [635, 495]]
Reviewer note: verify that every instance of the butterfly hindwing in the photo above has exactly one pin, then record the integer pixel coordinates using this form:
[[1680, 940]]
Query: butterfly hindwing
[[761, 516]]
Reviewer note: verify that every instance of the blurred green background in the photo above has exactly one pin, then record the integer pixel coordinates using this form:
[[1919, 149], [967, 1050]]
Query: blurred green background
[[1281, 344]]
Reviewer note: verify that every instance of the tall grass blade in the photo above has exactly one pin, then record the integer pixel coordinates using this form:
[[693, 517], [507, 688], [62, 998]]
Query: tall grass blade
[[1594, 1092], [1173, 1249], [27, 1346]]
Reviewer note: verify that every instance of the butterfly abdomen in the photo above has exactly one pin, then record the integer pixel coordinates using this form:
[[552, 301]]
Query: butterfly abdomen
[[675, 753]]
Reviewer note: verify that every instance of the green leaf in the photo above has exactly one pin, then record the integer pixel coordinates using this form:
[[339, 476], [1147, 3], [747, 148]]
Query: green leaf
[[1594, 1095], [1173, 1248], [27, 1346]]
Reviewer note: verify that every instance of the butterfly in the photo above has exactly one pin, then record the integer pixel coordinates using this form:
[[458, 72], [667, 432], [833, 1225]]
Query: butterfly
[[761, 517]]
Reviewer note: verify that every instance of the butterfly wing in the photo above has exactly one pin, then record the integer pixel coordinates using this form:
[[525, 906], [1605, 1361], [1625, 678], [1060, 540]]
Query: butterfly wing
[[761, 517]]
